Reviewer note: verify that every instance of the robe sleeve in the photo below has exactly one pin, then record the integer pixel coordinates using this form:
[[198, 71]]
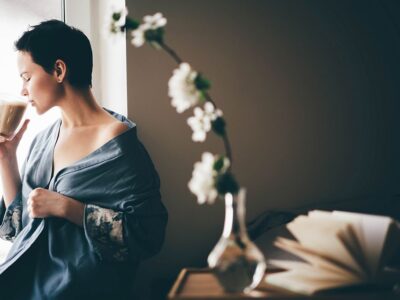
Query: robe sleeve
[[133, 229], [11, 217], [126, 235], [104, 229]]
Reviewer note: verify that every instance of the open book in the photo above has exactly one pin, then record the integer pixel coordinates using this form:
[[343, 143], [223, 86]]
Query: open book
[[337, 249]]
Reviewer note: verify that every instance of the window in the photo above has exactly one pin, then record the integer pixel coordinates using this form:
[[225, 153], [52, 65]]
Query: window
[[109, 55]]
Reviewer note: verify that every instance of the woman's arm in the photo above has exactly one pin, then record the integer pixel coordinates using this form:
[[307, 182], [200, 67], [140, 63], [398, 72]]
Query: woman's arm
[[73, 211], [10, 178], [11, 203], [9, 173], [103, 226], [137, 231], [43, 203]]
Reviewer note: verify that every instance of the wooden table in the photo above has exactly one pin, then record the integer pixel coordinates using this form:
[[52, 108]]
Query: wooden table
[[201, 284]]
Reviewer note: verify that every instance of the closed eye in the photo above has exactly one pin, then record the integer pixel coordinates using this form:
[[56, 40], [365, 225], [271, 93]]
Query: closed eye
[[25, 77]]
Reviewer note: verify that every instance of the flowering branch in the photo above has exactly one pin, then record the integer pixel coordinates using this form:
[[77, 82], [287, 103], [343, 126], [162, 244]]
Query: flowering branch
[[212, 176], [220, 124], [171, 52]]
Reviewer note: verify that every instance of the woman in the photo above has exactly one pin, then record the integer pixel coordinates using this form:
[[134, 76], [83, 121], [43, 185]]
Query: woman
[[87, 207]]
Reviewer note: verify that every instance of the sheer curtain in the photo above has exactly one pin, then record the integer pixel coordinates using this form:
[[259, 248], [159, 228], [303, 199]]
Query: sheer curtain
[[15, 18]]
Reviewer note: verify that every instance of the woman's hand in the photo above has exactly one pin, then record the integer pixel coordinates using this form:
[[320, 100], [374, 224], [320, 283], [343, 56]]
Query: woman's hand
[[43, 203], [8, 146]]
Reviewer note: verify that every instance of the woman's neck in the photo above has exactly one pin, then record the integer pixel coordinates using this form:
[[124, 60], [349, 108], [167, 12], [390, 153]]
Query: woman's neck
[[79, 109]]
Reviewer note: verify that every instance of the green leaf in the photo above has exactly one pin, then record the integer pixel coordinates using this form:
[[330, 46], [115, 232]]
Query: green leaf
[[155, 45], [116, 16], [218, 126], [131, 24], [202, 98], [202, 83], [219, 163], [154, 35], [226, 183]]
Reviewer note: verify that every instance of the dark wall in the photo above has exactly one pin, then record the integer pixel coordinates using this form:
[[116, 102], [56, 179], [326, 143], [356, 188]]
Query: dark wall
[[311, 94]]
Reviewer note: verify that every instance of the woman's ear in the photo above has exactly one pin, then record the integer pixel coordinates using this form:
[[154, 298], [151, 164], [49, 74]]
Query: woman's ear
[[60, 70]]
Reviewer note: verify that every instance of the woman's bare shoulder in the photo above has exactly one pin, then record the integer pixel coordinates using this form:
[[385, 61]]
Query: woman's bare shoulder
[[116, 128]]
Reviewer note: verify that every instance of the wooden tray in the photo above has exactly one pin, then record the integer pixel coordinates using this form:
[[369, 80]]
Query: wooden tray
[[201, 284]]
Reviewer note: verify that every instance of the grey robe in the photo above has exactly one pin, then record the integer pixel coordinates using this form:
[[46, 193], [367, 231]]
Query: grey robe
[[124, 222]]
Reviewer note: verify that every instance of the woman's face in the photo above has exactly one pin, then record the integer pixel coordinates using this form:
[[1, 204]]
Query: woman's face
[[41, 88]]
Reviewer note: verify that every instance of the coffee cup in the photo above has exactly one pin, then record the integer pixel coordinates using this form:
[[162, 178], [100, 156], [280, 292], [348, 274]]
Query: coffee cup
[[12, 109]]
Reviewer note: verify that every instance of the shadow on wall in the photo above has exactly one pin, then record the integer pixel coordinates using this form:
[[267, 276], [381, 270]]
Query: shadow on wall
[[310, 93]]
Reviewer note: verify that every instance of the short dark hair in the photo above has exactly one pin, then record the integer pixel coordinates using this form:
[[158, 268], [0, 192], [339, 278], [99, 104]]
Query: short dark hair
[[51, 40]]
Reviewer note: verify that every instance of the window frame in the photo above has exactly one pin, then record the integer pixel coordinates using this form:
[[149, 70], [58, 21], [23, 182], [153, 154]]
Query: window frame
[[109, 55]]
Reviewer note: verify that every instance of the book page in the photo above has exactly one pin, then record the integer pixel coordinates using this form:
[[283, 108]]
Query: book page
[[323, 236], [352, 238], [316, 260], [390, 255], [320, 269], [373, 234]]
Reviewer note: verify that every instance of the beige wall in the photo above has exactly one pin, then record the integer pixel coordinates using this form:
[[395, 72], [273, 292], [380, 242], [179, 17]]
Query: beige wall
[[309, 92]]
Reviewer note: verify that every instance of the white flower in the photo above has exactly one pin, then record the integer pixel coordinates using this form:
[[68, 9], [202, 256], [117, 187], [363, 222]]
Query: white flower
[[149, 23], [201, 121], [138, 38], [202, 183], [155, 21], [113, 29], [116, 25], [182, 89], [203, 179]]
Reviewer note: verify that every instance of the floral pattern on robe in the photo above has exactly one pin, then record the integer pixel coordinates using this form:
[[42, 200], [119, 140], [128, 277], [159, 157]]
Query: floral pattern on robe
[[11, 225], [105, 227]]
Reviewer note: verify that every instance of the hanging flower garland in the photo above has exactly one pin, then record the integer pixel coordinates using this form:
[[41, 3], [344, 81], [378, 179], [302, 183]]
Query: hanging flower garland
[[212, 176]]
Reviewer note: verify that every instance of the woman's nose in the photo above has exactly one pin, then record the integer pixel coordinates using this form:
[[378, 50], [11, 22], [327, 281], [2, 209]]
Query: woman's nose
[[24, 92]]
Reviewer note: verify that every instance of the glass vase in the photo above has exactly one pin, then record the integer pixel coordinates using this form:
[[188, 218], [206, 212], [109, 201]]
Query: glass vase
[[235, 260]]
